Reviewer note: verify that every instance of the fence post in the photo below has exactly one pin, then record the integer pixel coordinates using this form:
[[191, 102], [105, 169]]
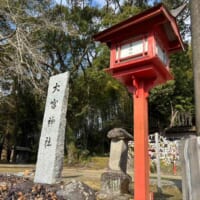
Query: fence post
[[158, 162]]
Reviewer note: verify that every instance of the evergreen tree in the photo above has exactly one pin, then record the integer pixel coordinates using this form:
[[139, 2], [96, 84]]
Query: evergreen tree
[[41, 38]]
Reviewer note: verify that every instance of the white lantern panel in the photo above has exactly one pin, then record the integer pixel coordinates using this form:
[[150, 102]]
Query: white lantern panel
[[133, 49], [161, 54]]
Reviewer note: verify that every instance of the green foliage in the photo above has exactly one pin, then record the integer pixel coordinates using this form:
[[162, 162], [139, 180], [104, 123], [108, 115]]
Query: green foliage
[[160, 105], [60, 39], [110, 17], [176, 95], [182, 69], [21, 116], [72, 154], [96, 104]]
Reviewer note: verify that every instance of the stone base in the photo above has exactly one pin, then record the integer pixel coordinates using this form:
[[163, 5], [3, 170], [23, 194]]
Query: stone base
[[115, 183]]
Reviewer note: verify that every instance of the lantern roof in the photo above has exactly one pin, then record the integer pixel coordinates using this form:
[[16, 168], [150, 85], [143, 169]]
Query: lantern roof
[[157, 19]]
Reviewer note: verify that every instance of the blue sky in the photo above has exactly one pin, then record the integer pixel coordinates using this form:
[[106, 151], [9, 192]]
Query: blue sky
[[60, 1], [99, 3]]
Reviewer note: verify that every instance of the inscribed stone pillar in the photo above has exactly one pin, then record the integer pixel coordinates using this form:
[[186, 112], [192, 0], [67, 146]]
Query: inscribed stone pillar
[[51, 147]]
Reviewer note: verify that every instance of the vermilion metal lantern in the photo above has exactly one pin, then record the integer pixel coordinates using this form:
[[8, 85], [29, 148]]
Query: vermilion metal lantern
[[140, 46], [139, 57]]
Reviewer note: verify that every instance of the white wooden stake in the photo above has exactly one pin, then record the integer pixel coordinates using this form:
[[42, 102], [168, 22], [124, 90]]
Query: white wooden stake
[[158, 162]]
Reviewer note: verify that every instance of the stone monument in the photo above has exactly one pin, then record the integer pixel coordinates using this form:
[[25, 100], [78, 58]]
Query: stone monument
[[189, 149], [51, 147], [118, 149], [115, 182]]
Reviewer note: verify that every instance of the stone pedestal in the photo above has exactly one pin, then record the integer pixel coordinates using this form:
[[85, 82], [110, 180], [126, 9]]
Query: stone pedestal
[[115, 183]]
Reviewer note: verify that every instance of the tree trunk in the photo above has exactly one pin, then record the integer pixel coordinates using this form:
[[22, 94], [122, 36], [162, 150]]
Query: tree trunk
[[195, 20], [5, 146], [4, 152]]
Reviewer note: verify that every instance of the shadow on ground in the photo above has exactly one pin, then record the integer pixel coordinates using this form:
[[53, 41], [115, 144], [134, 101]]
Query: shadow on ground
[[160, 196], [75, 176]]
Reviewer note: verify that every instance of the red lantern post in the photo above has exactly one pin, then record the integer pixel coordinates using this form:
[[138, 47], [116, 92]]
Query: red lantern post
[[139, 50]]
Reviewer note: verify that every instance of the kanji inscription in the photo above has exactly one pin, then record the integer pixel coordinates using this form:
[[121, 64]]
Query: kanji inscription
[[51, 147]]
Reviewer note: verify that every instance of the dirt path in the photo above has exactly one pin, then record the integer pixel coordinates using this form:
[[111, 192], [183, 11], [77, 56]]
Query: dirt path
[[92, 178], [83, 174], [67, 174]]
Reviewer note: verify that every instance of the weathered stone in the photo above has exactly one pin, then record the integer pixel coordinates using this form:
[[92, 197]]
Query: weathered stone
[[119, 134], [190, 155], [76, 190], [51, 147], [118, 149], [130, 159], [118, 155], [115, 183]]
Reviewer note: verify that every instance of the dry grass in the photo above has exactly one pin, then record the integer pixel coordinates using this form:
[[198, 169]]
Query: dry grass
[[12, 170], [98, 162]]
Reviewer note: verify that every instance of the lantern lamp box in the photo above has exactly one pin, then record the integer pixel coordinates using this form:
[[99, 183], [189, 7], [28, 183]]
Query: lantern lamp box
[[140, 46]]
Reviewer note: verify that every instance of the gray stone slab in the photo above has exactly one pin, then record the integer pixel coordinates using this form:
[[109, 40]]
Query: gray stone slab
[[118, 155], [118, 149], [190, 168], [51, 147]]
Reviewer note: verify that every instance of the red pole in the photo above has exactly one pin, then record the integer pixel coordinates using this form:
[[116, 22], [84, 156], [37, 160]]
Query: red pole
[[141, 158], [174, 167], [151, 196]]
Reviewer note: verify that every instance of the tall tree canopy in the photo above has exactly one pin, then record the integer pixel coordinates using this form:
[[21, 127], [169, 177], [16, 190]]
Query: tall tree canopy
[[42, 38]]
